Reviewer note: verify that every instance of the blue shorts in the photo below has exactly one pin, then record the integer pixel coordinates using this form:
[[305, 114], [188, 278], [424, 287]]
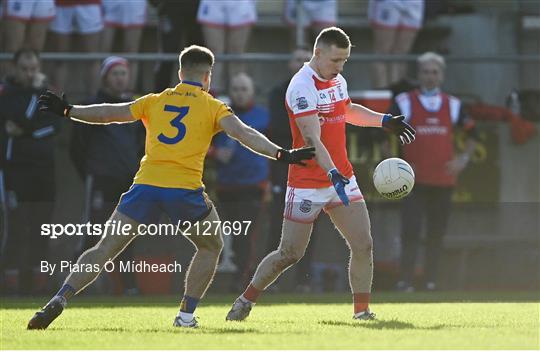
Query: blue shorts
[[146, 204]]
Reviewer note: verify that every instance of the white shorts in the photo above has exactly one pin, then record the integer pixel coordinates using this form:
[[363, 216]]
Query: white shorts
[[28, 10], [404, 14], [304, 204], [83, 19], [124, 14], [227, 13], [316, 12]]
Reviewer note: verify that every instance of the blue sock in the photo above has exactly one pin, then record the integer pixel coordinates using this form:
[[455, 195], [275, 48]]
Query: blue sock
[[66, 291], [188, 304]]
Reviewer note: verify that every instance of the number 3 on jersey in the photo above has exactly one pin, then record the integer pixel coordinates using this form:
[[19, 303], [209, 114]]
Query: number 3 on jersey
[[177, 123]]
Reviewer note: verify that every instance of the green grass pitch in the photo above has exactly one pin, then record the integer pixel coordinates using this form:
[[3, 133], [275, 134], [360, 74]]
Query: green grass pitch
[[443, 320]]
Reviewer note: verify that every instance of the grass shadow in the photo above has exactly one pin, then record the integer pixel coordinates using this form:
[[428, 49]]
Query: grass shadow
[[108, 329], [202, 330], [230, 331], [393, 324]]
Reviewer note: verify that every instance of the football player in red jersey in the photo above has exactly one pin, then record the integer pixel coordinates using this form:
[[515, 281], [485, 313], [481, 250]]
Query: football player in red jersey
[[319, 108]]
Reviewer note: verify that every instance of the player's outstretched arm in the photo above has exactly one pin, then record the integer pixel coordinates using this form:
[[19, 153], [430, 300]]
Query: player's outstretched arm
[[258, 143], [359, 115], [92, 114]]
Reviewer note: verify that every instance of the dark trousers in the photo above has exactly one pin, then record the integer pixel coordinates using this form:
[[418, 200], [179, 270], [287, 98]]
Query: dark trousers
[[101, 196], [303, 267], [242, 204], [30, 201], [178, 27], [432, 205]]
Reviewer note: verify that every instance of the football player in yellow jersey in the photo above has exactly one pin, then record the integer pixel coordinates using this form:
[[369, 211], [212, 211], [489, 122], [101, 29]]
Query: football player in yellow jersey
[[180, 123]]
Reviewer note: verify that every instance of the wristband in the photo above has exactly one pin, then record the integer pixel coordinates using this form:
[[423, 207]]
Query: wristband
[[385, 118], [329, 173]]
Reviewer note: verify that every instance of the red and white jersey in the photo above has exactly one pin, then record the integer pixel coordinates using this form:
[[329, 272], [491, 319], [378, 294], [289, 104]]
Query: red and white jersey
[[433, 117], [308, 94]]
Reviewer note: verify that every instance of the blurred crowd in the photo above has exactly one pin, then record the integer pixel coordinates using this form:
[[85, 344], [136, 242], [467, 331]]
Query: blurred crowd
[[107, 157], [224, 26]]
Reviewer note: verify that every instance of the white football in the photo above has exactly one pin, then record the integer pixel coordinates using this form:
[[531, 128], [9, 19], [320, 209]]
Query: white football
[[393, 178]]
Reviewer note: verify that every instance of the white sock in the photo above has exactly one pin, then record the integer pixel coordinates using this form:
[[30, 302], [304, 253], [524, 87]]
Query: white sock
[[185, 316], [362, 312], [245, 300]]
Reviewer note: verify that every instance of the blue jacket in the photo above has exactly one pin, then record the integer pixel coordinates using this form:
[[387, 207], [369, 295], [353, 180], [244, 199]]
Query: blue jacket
[[245, 167]]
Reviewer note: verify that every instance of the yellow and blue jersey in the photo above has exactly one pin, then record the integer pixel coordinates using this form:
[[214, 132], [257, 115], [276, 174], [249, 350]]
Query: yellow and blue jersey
[[180, 123]]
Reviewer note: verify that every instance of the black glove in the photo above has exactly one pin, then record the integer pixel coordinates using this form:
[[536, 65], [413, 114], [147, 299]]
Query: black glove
[[339, 181], [296, 156], [397, 126], [50, 102]]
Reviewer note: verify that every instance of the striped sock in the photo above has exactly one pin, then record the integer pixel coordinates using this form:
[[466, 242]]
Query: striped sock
[[361, 302]]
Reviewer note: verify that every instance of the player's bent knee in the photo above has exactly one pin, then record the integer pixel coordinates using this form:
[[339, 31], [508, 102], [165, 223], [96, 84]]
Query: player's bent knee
[[214, 246], [290, 256], [212, 253], [362, 246], [217, 247]]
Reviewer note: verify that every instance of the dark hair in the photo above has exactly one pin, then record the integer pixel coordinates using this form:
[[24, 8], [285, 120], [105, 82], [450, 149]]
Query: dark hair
[[333, 36], [24, 52], [194, 56]]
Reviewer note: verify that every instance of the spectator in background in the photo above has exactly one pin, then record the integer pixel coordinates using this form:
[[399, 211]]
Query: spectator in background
[[281, 133], [242, 176], [317, 14], [24, 24], [130, 17], [177, 28], [29, 173], [226, 27], [434, 115], [395, 25], [107, 157], [83, 17]]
